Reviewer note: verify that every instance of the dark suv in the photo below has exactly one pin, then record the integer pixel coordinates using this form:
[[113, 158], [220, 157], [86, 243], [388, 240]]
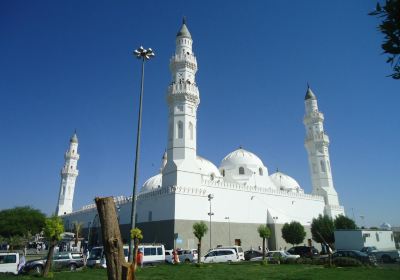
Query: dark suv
[[62, 260], [304, 251]]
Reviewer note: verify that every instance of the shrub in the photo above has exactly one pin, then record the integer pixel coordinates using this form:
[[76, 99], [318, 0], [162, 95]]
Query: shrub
[[304, 261], [290, 261], [345, 262]]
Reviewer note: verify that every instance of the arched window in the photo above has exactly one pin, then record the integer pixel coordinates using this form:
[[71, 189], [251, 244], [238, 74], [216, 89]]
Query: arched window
[[260, 171], [323, 167], [212, 176], [191, 130], [329, 166], [223, 172], [241, 170], [180, 129]]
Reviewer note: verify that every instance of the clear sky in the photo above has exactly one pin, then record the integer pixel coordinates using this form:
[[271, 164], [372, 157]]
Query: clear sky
[[69, 64]]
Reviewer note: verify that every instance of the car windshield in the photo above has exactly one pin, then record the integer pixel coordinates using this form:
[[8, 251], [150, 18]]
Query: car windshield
[[95, 254]]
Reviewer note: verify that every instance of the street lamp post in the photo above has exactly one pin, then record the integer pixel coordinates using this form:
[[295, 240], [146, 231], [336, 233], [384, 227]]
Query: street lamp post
[[144, 55], [229, 229], [210, 197]]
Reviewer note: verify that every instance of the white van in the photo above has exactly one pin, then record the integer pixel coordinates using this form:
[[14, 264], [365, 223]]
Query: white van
[[152, 253], [220, 255], [238, 250], [98, 258], [9, 263]]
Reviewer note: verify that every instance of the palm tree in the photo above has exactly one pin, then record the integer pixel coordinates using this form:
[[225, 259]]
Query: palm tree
[[199, 230], [77, 231], [264, 233]]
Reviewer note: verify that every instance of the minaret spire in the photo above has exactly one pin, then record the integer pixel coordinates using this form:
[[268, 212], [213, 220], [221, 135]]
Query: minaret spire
[[68, 178], [317, 145]]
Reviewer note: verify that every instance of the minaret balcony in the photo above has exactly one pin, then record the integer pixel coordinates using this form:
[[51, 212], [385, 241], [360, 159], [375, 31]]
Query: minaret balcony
[[183, 58], [183, 88], [69, 171], [318, 137]]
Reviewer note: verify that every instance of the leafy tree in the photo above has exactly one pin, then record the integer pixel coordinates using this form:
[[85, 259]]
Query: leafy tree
[[16, 242], [293, 233], [20, 220], [54, 226], [77, 231], [343, 222], [264, 233], [199, 230], [322, 229], [390, 27]]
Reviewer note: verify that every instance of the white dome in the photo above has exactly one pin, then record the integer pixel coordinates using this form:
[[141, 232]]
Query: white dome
[[241, 157], [284, 182], [386, 226], [152, 183], [207, 167]]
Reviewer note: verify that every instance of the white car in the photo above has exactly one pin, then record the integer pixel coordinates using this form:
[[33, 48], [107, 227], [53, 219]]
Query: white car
[[9, 263], [168, 256], [187, 255], [220, 255], [272, 255], [238, 250]]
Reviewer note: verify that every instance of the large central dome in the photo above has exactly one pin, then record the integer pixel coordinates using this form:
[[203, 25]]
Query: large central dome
[[241, 157]]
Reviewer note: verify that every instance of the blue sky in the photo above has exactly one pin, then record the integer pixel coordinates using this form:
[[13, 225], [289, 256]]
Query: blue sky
[[68, 64]]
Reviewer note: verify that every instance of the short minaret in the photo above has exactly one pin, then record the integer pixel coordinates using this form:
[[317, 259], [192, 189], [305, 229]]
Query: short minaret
[[317, 143], [183, 100], [68, 177]]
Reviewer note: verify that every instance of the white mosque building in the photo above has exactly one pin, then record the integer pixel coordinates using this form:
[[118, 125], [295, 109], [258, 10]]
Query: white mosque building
[[233, 199]]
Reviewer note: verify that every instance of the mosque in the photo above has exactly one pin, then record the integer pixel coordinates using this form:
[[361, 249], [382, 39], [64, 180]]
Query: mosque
[[233, 199]]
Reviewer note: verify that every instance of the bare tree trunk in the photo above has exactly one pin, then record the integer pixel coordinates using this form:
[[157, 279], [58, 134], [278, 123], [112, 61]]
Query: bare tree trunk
[[199, 251], [49, 259], [117, 267], [263, 249]]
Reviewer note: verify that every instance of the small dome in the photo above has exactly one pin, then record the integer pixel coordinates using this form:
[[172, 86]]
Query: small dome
[[386, 226], [284, 182], [241, 157], [152, 183], [74, 138], [207, 167]]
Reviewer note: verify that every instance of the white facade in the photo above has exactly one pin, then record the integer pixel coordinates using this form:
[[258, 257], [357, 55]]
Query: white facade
[[245, 194], [68, 178], [359, 238]]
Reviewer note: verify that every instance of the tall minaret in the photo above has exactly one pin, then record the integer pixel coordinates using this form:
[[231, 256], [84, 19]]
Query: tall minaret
[[316, 143], [68, 178], [183, 100]]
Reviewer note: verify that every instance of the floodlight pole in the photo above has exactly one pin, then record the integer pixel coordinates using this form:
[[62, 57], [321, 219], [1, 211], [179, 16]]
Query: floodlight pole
[[142, 54]]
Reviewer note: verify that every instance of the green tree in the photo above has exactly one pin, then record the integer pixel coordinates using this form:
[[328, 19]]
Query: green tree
[[199, 230], [137, 236], [20, 220], [53, 228], [264, 233], [322, 229], [293, 233], [343, 222], [390, 27]]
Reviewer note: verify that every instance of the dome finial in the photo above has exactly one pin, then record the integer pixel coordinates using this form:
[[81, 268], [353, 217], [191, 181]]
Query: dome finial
[[74, 138], [184, 20], [184, 31], [309, 93]]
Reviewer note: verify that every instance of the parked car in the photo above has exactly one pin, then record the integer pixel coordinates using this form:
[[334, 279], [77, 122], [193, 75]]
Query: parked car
[[220, 255], [96, 256], [168, 256], [304, 251], [252, 254], [187, 255], [362, 257], [238, 250], [9, 263], [386, 256], [273, 256], [62, 260]]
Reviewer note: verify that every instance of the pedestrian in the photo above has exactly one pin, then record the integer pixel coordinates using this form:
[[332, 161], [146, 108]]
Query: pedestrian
[[175, 257], [139, 258]]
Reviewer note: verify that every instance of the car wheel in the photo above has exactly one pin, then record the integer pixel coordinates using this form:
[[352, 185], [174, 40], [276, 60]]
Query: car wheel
[[72, 267], [38, 269], [187, 261], [386, 259]]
